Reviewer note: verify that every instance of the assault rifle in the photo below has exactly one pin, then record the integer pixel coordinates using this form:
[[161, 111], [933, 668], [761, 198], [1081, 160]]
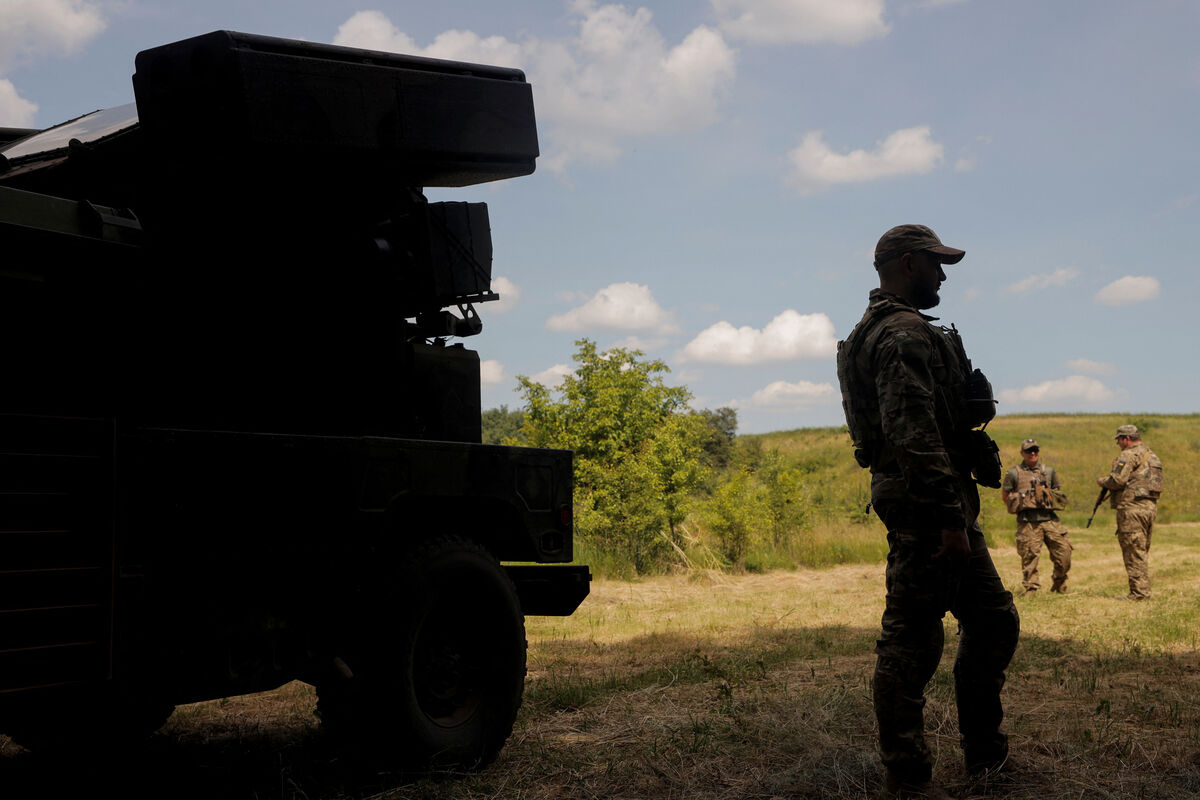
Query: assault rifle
[[1099, 500]]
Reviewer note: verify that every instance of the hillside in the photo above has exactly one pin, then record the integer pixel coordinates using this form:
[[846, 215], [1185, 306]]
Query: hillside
[[1079, 446]]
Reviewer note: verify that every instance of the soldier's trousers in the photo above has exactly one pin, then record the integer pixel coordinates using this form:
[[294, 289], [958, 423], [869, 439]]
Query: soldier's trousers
[[1030, 536], [1135, 526], [920, 589]]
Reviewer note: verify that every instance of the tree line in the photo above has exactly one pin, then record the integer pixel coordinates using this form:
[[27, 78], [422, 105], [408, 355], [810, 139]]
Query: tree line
[[658, 485]]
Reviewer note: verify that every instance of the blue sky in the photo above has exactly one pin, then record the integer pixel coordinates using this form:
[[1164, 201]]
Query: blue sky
[[715, 173]]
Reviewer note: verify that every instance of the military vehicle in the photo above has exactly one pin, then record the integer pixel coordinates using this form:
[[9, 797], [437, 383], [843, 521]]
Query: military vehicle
[[237, 446]]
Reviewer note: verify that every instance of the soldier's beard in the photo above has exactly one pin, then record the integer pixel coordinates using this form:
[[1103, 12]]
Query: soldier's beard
[[926, 298]]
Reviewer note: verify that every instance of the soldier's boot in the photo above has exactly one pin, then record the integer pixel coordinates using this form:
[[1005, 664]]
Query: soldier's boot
[[988, 758], [1060, 587]]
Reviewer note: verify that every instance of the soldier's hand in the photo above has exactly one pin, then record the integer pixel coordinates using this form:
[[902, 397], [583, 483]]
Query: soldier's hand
[[954, 547], [1100, 482]]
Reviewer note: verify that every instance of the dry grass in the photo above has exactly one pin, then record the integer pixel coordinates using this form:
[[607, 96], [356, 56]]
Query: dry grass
[[713, 686]]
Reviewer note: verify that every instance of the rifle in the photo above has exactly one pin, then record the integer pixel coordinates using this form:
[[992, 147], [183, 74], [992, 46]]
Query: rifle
[[1099, 500]]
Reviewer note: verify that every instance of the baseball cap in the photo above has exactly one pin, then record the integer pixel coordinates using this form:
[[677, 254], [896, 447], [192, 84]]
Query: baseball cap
[[911, 238], [1127, 430], [1029, 444]]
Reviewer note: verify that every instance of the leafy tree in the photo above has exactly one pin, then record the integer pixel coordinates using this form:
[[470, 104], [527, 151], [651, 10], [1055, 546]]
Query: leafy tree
[[501, 426], [719, 435], [783, 495], [636, 447], [736, 510]]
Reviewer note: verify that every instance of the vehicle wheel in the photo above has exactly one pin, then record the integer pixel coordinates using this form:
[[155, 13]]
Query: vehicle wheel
[[441, 685]]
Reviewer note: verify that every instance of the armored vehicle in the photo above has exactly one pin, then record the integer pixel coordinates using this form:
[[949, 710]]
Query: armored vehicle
[[239, 441]]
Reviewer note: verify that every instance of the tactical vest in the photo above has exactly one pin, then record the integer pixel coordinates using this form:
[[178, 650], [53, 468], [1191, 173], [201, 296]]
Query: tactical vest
[[1033, 492], [1147, 479], [958, 407]]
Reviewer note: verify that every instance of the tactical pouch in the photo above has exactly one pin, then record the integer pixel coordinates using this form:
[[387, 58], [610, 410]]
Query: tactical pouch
[[985, 458], [1154, 477], [1052, 499]]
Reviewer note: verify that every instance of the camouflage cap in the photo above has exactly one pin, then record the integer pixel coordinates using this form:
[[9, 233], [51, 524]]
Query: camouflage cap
[[911, 238], [1128, 430], [1029, 444]]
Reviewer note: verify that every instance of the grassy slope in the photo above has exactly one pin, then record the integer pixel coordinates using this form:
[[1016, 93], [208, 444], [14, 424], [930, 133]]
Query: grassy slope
[[1079, 446]]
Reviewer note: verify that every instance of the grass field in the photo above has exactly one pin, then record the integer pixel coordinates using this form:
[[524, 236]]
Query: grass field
[[747, 686]]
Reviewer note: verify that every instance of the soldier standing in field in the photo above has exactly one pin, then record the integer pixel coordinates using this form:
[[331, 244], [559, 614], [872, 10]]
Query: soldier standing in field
[[1135, 483], [1032, 491], [911, 400]]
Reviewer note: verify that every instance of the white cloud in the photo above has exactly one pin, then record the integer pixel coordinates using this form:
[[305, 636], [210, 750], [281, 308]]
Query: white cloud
[[1089, 367], [618, 307], [32, 28], [617, 79], [966, 164], [491, 372], [552, 376], [802, 21], [509, 295], [1032, 283], [911, 151], [973, 294], [791, 335], [15, 111], [1128, 290], [372, 30], [1076, 389], [782, 395]]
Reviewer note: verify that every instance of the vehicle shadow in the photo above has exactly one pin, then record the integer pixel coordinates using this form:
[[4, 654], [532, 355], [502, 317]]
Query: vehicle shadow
[[283, 762]]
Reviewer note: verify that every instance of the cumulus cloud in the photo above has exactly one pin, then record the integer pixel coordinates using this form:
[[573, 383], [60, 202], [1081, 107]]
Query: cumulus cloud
[[372, 30], [1128, 290], [617, 79], [781, 395], [1073, 390], [815, 165], [1089, 367], [791, 335], [491, 372], [628, 307], [1033, 283], [801, 21], [15, 111], [509, 295], [552, 376], [32, 28]]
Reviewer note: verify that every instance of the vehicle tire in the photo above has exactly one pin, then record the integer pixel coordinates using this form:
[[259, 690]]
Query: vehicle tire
[[441, 684]]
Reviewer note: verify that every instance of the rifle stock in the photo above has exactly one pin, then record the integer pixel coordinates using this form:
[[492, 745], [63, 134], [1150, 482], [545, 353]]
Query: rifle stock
[[1099, 500]]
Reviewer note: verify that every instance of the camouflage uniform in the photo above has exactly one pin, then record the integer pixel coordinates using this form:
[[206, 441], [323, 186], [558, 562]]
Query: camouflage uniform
[[1136, 505], [902, 384], [1037, 524]]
